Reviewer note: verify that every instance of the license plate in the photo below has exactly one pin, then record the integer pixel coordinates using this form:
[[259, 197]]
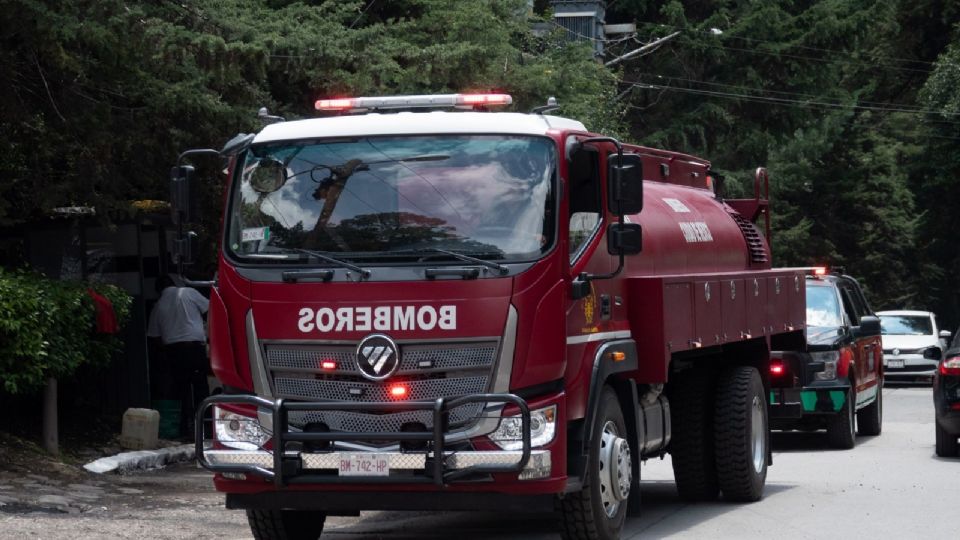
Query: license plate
[[364, 464], [895, 363]]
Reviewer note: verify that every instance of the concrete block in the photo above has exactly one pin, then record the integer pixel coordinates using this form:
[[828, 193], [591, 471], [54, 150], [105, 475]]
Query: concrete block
[[140, 429]]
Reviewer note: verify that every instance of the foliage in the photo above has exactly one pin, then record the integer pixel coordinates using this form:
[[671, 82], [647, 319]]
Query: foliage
[[47, 328]]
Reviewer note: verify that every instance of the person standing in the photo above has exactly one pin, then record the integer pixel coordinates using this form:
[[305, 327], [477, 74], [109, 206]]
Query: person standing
[[177, 321]]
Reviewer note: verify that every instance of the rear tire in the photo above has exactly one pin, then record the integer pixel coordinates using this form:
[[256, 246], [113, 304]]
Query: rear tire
[[946, 442], [840, 427], [286, 524], [870, 418], [594, 512], [692, 448], [741, 434]]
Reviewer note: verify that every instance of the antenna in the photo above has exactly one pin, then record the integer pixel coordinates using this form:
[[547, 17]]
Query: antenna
[[549, 107], [264, 115]]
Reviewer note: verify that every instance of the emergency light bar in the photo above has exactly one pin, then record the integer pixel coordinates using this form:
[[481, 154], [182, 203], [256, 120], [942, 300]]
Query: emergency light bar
[[465, 101]]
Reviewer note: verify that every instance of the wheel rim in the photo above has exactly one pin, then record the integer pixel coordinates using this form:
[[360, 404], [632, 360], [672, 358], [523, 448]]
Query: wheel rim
[[616, 469], [757, 434]]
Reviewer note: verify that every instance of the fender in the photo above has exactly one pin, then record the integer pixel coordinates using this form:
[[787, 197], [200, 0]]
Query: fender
[[605, 367]]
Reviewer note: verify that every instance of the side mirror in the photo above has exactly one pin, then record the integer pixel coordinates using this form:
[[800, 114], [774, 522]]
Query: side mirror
[[183, 195], [625, 184], [945, 334], [869, 326], [626, 238], [269, 175], [185, 248]]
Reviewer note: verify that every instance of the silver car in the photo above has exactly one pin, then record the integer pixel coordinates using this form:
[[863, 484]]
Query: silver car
[[912, 345]]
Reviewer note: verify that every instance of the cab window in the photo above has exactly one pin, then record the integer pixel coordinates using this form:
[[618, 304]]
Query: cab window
[[585, 209]]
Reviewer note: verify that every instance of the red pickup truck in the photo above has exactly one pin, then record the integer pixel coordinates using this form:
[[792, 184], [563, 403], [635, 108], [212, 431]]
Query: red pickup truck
[[836, 383]]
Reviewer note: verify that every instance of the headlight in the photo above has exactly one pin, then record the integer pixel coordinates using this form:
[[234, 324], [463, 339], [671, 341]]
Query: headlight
[[238, 431], [543, 426], [933, 353], [829, 359]]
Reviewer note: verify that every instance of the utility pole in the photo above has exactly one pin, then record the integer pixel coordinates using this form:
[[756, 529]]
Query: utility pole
[[646, 48]]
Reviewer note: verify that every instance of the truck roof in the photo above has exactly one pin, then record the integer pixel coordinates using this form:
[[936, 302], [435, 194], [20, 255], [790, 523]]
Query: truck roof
[[416, 123]]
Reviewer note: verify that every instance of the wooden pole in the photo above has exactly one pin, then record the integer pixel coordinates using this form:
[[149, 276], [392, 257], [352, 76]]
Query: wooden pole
[[50, 439]]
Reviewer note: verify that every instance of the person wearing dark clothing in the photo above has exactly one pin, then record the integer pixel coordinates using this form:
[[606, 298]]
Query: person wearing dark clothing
[[177, 321]]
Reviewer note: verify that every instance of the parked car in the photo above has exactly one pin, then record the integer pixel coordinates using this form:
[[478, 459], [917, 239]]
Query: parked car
[[836, 383], [912, 345], [946, 400]]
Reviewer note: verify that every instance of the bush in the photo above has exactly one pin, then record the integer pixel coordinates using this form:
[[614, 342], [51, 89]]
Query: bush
[[47, 328]]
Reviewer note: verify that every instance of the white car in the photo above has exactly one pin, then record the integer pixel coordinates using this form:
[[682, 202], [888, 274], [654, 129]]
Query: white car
[[912, 345]]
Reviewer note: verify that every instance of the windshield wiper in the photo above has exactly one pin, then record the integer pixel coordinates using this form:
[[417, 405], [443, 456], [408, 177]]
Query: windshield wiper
[[489, 264], [326, 258]]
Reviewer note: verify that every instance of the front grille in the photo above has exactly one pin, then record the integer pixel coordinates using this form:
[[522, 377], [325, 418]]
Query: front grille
[[428, 370]]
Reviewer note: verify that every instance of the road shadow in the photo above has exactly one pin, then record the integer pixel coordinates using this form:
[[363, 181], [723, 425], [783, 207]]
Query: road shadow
[[446, 525], [660, 502]]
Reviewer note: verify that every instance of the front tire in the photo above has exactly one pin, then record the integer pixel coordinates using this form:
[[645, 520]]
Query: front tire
[[870, 418], [946, 443], [741, 434], [598, 510], [840, 427], [285, 524]]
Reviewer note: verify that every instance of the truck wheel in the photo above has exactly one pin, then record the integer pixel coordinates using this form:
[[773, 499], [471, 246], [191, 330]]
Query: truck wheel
[[870, 418], [840, 427], [285, 524], [741, 434], [946, 443], [691, 448], [598, 510]]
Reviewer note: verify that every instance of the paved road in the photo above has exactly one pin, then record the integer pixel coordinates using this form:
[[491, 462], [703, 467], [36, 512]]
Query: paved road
[[891, 486]]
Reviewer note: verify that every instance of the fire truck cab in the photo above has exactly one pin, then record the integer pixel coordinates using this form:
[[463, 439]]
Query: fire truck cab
[[461, 309]]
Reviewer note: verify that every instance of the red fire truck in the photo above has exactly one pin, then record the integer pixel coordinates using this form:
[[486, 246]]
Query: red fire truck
[[420, 308]]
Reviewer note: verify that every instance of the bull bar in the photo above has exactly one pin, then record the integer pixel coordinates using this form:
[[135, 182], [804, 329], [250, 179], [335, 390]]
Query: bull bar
[[287, 466]]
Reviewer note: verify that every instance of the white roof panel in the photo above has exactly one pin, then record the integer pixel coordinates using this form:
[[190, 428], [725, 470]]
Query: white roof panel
[[416, 123], [905, 313]]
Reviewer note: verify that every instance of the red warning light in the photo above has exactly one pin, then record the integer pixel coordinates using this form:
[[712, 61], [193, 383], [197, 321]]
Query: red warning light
[[776, 369], [333, 104], [398, 391], [820, 271], [328, 364]]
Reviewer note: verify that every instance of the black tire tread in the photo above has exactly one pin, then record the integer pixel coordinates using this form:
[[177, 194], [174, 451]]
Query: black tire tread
[[870, 418], [736, 388], [946, 443], [285, 524], [839, 432], [579, 518], [691, 447]]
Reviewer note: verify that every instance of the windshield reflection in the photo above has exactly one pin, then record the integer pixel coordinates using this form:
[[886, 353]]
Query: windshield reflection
[[487, 195]]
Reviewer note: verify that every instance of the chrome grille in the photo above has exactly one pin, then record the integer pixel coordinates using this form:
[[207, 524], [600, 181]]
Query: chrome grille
[[428, 370]]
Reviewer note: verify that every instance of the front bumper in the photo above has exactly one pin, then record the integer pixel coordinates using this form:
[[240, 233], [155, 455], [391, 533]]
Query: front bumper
[[288, 463]]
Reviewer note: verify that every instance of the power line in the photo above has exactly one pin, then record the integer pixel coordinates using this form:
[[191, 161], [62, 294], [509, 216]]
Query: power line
[[362, 13], [794, 46], [767, 90], [809, 104]]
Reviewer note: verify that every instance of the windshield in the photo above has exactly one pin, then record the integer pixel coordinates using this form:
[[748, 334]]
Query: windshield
[[905, 325], [488, 196], [823, 309]]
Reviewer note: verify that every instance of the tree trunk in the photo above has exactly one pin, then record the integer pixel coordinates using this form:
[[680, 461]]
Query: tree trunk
[[50, 442]]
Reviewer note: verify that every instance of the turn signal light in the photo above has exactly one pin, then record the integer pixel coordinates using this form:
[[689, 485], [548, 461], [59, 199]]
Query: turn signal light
[[950, 366]]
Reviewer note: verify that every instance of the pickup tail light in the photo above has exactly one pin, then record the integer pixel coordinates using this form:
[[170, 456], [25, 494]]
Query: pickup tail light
[[776, 368], [950, 366]]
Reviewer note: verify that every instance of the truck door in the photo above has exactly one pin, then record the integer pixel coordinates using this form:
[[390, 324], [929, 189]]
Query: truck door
[[589, 318], [866, 349]]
